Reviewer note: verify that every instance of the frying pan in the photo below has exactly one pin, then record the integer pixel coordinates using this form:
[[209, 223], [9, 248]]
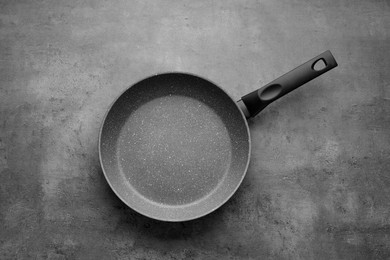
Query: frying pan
[[175, 146]]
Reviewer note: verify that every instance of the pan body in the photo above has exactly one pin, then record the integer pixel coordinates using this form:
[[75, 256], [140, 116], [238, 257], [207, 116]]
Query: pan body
[[174, 147]]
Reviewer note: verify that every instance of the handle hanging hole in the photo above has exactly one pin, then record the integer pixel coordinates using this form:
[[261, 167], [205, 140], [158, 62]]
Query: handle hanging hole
[[319, 65]]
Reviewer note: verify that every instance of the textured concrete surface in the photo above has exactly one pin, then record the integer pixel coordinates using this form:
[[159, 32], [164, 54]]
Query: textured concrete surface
[[318, 186]]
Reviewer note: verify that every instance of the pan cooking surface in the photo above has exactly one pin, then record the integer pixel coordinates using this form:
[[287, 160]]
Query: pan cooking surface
[[174, 150]]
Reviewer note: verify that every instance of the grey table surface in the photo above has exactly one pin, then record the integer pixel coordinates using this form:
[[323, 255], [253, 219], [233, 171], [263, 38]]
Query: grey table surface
[[318, 186]]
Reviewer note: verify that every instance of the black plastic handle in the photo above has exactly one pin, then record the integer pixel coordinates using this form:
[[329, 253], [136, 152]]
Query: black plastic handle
[[256, 101]]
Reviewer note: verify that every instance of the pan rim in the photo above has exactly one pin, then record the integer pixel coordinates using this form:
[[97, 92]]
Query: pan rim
[[195, 216]]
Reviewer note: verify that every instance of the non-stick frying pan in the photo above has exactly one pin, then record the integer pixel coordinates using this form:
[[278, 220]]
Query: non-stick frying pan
[[175, 146]]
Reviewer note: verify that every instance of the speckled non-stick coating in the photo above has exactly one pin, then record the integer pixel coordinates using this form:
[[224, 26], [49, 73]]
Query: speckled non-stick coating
[[174, 147]]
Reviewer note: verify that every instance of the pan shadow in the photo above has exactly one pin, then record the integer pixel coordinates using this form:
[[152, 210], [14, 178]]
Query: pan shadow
[[148, 228]]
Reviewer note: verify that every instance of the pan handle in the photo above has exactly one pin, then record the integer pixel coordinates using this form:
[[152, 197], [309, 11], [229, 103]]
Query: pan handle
[[254, 102]]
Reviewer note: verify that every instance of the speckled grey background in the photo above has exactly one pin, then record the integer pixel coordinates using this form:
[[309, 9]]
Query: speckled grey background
[[318, 186]]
